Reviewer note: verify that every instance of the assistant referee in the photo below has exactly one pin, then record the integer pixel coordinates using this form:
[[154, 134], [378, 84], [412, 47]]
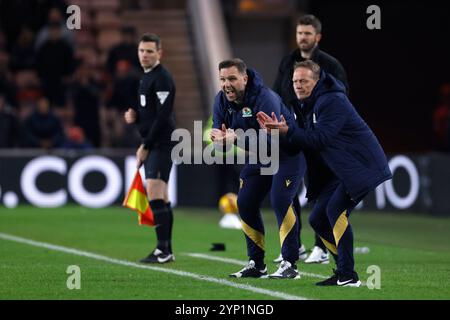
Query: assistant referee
[[155, 120]]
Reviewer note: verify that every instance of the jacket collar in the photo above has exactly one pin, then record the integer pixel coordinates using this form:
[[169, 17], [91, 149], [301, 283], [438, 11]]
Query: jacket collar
[[297, 56]]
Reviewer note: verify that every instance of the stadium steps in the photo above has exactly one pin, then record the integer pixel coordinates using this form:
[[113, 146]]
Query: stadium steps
[[172, 26]]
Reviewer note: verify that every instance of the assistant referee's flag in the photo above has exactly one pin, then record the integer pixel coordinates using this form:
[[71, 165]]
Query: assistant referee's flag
[[136, 200]]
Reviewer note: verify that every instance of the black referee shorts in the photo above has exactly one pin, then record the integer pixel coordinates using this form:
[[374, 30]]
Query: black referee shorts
[[158, 164]]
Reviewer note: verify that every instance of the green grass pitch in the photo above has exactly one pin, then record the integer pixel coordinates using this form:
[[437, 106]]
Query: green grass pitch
[[412, 252]]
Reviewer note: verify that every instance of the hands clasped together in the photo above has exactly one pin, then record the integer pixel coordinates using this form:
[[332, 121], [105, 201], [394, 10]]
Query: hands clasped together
[[227, 137], [223, 137]]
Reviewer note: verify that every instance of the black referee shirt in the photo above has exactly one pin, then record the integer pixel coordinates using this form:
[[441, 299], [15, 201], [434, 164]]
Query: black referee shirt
[[156, 120]]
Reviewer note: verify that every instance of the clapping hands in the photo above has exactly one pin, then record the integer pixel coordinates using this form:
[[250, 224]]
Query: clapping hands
[[269, 123]]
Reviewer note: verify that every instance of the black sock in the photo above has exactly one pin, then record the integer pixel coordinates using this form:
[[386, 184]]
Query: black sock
[[169, 209], [162, 221]]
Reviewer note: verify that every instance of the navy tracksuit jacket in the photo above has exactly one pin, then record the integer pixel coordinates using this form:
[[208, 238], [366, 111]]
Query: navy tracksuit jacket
[[332, 132], [254, 186]]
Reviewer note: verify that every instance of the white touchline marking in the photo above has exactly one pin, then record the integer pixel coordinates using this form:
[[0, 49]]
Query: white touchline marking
[[244, 263], [275, 294]]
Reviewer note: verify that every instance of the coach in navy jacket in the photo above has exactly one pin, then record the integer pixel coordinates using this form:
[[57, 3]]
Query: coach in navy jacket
[[346, 143], [241, 97], [330, 128]]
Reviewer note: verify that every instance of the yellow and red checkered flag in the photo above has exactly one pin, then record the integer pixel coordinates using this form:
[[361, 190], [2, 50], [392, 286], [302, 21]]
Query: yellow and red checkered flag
[[136, 200]]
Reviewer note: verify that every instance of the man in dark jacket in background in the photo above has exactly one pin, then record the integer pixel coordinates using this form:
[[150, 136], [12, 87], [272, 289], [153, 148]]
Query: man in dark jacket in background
[[43, 129], [308, 35], [54, 64], [85, 96], [334, 131]]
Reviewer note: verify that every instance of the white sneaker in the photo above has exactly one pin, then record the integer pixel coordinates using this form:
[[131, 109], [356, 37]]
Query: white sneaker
[[301, 253], [318, 256], [285, 271]]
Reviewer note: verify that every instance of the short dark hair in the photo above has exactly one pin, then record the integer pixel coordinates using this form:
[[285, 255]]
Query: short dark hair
[[151, 37], [311, 65], [310, 20], [236, 62]]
